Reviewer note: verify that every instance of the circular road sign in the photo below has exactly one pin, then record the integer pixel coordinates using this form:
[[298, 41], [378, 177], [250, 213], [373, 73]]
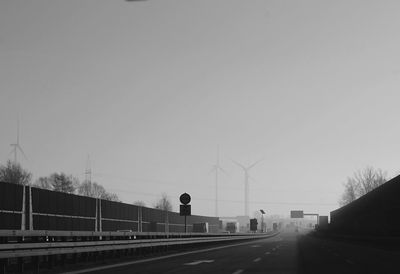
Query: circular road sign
[[185, 198]]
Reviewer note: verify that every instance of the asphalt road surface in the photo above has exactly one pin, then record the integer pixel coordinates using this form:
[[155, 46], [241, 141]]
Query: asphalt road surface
[[288, 252]]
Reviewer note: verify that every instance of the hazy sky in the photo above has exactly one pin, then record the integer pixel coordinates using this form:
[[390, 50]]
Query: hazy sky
[[150, 88]]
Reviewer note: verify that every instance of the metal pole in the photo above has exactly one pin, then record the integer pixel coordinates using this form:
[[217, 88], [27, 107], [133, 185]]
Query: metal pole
[[185, 225], [262, 223], [246, 194], [216, 192]]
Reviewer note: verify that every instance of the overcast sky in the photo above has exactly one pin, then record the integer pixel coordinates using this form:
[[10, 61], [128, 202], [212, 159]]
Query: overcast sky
[[149, 89]]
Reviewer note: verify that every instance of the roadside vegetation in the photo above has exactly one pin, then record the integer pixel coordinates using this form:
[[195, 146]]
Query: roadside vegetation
[[362, 182], [14, 173]]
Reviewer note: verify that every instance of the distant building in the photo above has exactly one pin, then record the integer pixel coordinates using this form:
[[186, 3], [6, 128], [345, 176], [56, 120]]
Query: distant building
[[243, 222]]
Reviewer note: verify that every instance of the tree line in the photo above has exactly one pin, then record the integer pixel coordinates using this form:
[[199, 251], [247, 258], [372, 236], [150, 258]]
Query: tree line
[[362, 182], [13, 172]]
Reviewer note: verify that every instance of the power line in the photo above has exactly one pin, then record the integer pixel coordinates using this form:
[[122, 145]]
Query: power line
[[202, 186], [194, 198]]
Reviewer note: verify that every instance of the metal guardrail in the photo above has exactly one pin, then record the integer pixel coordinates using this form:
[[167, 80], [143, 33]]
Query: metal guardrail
[[24, 250], [46, 248], [60, 233]]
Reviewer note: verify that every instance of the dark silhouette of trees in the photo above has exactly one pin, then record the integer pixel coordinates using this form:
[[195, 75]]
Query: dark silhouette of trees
[[13, 172], [58, 182], [96, 190], [362, 182], [139, 203], [164, 203]]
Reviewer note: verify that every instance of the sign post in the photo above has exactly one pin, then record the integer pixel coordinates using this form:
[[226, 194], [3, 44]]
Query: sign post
[[185, 208], [301, 214], [253, 225]]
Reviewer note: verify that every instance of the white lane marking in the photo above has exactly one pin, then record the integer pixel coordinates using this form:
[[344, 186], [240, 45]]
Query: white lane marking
[[238, 271], [98, 268], [257, 260], [200, 262], [349, 262], [267, 253], [255, 245]]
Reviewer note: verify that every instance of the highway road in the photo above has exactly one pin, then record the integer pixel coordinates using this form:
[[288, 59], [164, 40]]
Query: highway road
[[288, 252]]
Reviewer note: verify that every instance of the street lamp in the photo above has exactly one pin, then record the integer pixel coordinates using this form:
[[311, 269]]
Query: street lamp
[[262, 220]]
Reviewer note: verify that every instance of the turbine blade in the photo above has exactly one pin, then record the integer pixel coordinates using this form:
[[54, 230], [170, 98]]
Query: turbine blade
[[251, 166], [223, 171], [23, 153], [238, 164]]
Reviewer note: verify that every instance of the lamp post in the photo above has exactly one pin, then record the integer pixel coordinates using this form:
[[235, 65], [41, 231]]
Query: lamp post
[[262, 220]]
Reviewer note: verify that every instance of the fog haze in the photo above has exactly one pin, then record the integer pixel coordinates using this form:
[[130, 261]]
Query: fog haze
[[149, 89]]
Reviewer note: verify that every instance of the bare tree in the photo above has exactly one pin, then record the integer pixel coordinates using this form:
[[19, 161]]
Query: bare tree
[[362, 182], [369, 179], [96, 190], [139, 203], [44, 183], [58, 182], [110, 197], [63, 183], [164, 203], [350, 192], [89, 189], [13, 172]]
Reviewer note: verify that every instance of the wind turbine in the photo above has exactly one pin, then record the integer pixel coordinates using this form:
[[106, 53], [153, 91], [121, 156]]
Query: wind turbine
[[246, 184], [217, 168], [17, 146]]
